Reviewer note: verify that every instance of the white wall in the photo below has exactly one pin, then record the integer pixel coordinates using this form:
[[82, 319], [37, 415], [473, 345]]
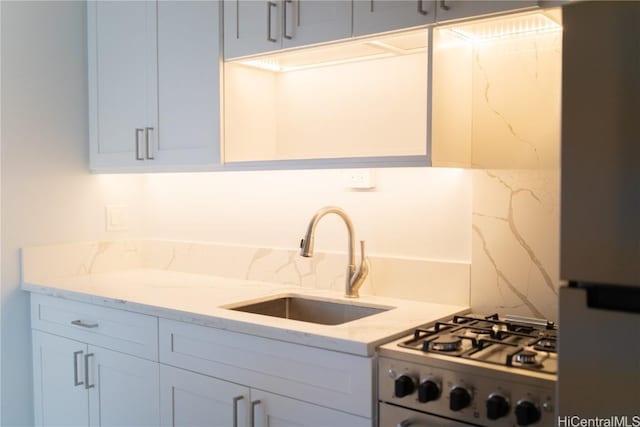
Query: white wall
[[47, 192]]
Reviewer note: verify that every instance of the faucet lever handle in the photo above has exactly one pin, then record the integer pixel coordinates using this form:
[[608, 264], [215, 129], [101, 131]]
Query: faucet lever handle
[[362, 250]]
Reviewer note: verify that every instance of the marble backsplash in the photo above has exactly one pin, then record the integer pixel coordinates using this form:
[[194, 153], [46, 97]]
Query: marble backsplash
[[515, 243], [516, 184], [410, 278]]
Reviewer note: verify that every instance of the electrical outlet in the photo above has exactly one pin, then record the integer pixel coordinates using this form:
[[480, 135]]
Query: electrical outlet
[[117, 217], [359, 179]]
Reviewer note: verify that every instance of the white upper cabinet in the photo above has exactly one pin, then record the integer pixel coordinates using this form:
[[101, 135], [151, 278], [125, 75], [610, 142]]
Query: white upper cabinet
[[153, 85], [308, 21], [252, 27], [375, 16], [456, 9], [188, 83], [122, 80]]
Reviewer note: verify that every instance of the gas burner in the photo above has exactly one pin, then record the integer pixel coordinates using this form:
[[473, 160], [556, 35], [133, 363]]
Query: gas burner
[[446, 343], [481, 331], [484, 325], [526, 357], [545, 344]]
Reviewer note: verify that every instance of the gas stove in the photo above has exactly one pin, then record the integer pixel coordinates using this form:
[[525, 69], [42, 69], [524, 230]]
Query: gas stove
[[471, 370]]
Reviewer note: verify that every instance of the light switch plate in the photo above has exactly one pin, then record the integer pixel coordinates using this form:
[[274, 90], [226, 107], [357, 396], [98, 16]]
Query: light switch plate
[[117, 217]]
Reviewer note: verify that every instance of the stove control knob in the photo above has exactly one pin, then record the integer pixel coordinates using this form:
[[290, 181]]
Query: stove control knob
[[526, 413], [497, 407], [428, 391], [405, 385], [459, 398]]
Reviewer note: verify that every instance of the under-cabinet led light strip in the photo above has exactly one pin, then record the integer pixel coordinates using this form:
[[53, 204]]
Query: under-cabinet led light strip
[[529, 24]]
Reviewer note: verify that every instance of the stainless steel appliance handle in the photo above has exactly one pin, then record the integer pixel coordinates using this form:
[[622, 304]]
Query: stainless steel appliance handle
[[149, 143], [75, 368], [235, 409], [443, 5], [421, 9], [252, 419], [269, 6], [82, 323], [139, 155], [86, 371], [286, 6]]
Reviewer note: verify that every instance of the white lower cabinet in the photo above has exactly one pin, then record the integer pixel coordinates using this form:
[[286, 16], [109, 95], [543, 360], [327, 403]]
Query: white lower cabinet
[[124, 390], [272, 410], [60, 396], [76, 384], [98, 366], [188, 399]]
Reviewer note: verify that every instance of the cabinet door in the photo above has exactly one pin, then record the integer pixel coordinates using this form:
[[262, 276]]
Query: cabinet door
[[456, 9], [188, 83], [272, 410], [123, 389], [122, 79], [375, 16], [60, 397], [251, 26], [193, 400], [315, 21]]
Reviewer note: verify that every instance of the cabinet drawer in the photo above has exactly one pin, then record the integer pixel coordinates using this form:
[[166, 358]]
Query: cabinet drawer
[[132, 333], [322, 377]]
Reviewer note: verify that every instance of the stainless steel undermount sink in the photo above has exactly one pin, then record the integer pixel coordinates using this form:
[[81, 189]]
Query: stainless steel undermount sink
[[310, 310]]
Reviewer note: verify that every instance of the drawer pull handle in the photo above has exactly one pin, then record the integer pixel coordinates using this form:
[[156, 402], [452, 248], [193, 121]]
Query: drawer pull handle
[[405, 423], [269, 6], [75, 368], [84, 324], [235, 409], [284, 26], [86, 371], [252, 420], [443, 5], [139, 155], [149, 143], [421, 9]]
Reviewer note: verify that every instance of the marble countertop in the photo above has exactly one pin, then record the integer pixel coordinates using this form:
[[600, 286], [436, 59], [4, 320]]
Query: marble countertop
[[201, 299]]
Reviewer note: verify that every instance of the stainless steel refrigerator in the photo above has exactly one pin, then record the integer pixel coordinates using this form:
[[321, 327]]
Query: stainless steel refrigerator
[[599, 341]]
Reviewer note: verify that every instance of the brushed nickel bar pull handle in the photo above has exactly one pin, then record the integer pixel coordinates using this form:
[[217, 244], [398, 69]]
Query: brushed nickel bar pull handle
[[286, 5], [421, 9], [252, 420], [75, 368], [138, 141], [149, 143], [443, 5], [82, 323], [86, 371], [237, 19], [269, 6], [235, 409]]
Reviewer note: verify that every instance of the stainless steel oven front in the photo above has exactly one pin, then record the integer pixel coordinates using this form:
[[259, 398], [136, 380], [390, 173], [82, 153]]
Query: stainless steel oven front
[[396, 416]]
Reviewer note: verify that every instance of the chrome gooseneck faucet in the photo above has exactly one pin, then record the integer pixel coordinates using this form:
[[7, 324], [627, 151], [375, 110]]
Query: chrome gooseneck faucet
[[354, 279]]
